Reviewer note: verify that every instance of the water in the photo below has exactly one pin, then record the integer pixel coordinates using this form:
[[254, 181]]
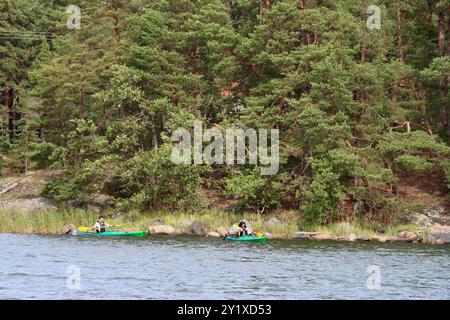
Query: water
[[41, 267]]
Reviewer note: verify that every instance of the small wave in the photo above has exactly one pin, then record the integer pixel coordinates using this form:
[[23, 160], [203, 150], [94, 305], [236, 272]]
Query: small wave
[[18, 274]]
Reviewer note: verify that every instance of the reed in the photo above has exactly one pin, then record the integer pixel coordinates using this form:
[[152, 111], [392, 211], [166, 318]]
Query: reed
[[53, 221], [46, 222]]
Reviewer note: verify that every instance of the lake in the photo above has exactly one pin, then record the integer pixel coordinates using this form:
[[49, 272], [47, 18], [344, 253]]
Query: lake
[[71, 267]]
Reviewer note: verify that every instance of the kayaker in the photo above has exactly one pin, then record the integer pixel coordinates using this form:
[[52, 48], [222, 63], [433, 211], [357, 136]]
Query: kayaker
[[244, 229], [101, 225], [239, 229]]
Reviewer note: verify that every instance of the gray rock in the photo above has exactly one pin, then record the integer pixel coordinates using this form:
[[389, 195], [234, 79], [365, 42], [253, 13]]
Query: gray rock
[[442, 220], [352, 237], [397, 239], [383, 238], [428, 238], [161, 230], [222, 231], [179, 232], [213, 234], [322, 236], [8, 187], [301, 235], [199, 228], [363, 237], [433, 210], [421, 220], [443, 236], [407, 234]]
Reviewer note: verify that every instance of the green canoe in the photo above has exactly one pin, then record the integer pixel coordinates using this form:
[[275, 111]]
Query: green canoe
[[138, 234], [248, 239]]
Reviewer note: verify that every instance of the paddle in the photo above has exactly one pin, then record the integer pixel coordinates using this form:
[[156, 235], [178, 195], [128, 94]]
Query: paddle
[[87, 229], [258, 235]]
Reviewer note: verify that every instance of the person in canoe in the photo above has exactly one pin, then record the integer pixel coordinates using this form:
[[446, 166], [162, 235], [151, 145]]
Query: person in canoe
[[240, 229], [101, 225]]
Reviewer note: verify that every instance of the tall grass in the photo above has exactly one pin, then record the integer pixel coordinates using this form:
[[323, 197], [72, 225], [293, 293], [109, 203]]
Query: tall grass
[[48, 222], [52, 222], [340, 229], [359, 227]]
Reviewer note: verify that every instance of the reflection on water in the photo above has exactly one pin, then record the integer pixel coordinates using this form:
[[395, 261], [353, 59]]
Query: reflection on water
[[36, 267]]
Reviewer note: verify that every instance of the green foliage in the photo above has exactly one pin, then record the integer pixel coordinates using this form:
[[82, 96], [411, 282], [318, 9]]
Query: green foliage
[[322, 196], [152, 181], [415, 150], [254, 190], [355, 108]]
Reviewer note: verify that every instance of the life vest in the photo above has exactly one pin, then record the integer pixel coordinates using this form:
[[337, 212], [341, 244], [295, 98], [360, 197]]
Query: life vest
[[102, 226]]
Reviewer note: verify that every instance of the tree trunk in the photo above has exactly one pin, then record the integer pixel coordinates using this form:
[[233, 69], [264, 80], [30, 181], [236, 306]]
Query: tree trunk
[[448, 77], [117, 29], [441, 16], [448, 29], [42, 132], [302, 5], [400, 54], [82, 106], [13, 115], [443, 115], [421, 96], [363, 54], [6, 102], [265, 4]]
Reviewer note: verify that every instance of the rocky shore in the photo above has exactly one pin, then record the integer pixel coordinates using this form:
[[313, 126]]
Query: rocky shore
[[432, 236], [433, 228], [432, 224]]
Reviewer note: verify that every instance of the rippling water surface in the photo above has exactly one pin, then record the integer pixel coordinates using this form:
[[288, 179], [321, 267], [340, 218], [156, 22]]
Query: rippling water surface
[[42, 267]]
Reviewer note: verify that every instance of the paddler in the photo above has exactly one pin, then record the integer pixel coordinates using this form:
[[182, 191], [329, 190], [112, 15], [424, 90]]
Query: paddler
[[245, 230], [101, 225], [240, 229]]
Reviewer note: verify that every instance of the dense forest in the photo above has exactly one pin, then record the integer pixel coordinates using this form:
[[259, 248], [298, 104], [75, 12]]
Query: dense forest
[[358, 109]]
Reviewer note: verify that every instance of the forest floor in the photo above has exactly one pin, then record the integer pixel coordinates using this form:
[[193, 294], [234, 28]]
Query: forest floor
[[418, 188], [425, 189], [26, 186]]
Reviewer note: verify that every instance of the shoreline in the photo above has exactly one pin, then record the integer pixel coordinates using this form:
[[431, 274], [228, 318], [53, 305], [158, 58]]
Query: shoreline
[[305, 236], [278, 226]]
